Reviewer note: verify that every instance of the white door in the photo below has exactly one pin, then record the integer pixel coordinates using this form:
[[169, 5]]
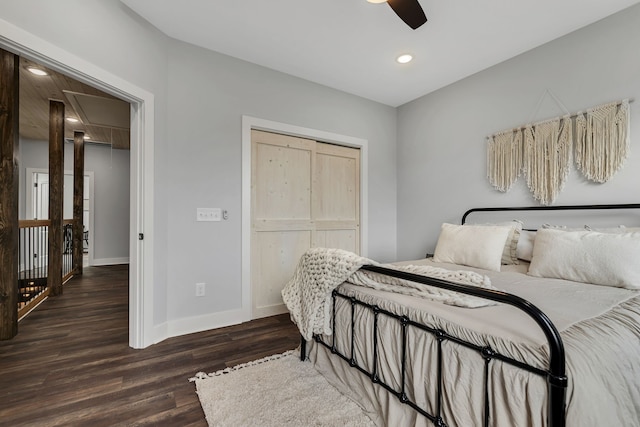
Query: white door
[[41, 196], [41, 211], [304, 194]]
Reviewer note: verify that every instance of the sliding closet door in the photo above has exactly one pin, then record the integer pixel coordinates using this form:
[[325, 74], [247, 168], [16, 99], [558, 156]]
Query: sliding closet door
[[336, 197], [282, 228], [304, 194]]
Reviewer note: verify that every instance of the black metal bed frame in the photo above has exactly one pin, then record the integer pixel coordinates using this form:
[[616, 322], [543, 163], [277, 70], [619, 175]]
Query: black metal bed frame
[[553, 208], [555, 373]]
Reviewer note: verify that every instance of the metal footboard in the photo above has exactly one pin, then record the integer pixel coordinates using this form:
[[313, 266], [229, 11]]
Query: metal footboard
[[554, 375]]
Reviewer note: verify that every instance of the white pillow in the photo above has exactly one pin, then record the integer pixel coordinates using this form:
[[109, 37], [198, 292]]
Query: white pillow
[[509, 253], [588, 256], [473, 245], [524, 250]]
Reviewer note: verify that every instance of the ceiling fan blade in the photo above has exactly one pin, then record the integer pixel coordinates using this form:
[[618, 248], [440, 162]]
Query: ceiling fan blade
[[409, 11]]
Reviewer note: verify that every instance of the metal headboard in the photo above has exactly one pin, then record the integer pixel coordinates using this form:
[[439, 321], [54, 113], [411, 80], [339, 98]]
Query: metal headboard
[[553, 208]]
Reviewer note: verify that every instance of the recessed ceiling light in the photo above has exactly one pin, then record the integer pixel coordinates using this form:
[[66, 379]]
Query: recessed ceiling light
[[377, 1], [72, 120], [87, 137], [403, 59], [37, 71]]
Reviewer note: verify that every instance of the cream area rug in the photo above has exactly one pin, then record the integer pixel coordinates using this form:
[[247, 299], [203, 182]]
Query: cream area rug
[[275, 391]]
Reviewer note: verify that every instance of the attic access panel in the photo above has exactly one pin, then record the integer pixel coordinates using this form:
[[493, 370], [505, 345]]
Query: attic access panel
[[99, 111]]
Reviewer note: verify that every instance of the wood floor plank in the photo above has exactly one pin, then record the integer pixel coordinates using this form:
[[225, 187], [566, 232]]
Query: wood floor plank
[[71, 365]]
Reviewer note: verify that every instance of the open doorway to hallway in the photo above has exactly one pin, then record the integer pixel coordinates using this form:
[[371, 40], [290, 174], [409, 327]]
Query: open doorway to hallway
[[141, 167], [104, 121]]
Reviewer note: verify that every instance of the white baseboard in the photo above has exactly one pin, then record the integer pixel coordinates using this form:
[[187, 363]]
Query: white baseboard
[[190, 325], [110, 261], [160, 332]]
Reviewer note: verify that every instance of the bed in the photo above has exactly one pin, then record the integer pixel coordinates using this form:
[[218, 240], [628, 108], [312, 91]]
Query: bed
[[545, 351]]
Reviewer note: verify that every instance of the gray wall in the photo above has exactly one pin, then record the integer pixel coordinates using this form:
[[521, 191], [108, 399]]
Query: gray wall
[[111, 192], [441, 136], [198, 140], [208, 94]]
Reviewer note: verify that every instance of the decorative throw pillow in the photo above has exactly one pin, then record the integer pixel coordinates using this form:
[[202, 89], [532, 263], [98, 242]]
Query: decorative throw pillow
[[509, 253], [588, 256], [472, 245], [524, 250]]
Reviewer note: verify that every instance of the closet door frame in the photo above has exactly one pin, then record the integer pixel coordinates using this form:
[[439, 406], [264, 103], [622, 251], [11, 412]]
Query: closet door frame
[[252, 123]]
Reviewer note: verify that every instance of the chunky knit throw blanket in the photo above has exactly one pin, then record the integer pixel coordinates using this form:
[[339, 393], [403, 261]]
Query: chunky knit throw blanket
[[308, 294]]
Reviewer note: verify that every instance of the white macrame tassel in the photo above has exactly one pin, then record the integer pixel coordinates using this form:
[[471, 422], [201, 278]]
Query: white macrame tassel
[[504, 159], [547, 157], [602, 140]]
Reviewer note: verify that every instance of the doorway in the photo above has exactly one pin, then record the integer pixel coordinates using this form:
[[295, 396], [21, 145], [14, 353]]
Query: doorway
[[141, 250]]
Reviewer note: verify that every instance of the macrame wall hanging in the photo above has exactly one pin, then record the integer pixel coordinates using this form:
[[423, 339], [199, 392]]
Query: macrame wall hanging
[[543, 150], [504, 159], [547, 157], [602, 140]]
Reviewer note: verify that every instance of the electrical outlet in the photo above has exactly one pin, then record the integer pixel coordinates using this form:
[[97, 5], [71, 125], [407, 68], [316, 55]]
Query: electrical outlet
[[200, 289]]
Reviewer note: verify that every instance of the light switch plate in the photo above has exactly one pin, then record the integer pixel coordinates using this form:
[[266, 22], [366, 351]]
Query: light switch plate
[[208, 214]]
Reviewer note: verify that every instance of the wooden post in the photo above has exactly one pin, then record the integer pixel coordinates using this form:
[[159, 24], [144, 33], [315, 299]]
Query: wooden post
[[9, 233], [78, 200], [56, 182]]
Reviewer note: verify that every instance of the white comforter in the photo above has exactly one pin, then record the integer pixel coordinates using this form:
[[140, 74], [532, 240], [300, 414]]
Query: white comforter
[[320, 270]]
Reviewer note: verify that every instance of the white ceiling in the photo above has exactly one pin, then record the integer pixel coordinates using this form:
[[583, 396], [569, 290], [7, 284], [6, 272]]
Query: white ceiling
[[351, 45]]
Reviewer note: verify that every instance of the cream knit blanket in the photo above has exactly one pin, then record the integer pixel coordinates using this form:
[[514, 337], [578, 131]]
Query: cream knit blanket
[[308, 294]]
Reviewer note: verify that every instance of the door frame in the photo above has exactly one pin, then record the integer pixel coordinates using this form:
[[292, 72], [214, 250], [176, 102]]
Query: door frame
[[141, 171], [253, 123]]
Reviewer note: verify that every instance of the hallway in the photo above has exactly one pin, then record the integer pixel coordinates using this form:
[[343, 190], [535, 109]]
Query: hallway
[[70, 363]]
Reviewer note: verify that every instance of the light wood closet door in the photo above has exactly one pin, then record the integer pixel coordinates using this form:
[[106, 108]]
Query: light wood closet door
[[336, 197], [304, 194]]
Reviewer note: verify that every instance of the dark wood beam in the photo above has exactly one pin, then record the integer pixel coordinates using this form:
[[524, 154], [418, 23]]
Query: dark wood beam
[[9, 233], [78, 200], [56, 183]]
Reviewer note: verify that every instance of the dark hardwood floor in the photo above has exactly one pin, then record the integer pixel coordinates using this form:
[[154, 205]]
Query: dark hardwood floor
[[71, 364]]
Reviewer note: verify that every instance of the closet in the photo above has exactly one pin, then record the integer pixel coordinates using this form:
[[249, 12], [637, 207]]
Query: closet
[[304, 194]]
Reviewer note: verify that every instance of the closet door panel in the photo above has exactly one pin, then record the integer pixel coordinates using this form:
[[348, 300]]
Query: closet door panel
[[282, 182], [337, 183], [340, 239], [275, 258], [281, 215], [336, 197]]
